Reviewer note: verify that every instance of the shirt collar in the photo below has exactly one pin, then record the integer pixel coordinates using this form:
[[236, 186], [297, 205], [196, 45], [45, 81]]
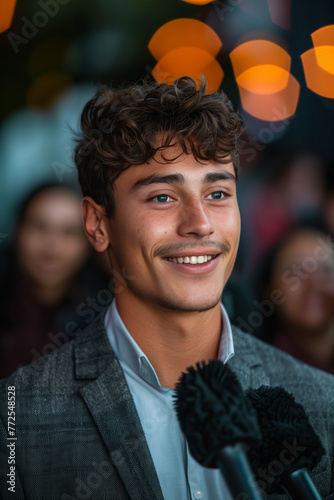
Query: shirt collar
[[129, 353]]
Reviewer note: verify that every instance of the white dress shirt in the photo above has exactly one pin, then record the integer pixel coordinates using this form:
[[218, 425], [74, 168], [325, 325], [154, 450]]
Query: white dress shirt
[[180, 476]]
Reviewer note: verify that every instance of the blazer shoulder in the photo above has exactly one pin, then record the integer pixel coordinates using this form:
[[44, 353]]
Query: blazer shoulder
[[281, 367], [44, 371]]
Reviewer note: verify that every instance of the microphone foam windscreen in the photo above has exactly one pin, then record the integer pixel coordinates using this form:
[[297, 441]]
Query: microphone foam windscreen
[[214, 411], [289, 439]]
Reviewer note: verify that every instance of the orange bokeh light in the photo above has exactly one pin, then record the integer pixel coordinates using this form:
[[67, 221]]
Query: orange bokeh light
[[198, 2], [189, 61], [323, 36], [262, 71], [184, 32], [325, 57], [323, 41], [272, 107], [317, 79], [318, 63], [7, 8], [186, 47], [258, 52], [264, 79]]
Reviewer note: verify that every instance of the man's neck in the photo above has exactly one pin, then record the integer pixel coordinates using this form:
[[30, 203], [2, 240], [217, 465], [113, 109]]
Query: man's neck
[[172, 340]]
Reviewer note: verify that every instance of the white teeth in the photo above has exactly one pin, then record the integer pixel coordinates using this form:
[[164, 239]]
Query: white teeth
[[193, 259]]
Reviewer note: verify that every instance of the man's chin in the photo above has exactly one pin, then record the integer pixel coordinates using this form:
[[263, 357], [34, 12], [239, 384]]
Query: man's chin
[[181, 305]]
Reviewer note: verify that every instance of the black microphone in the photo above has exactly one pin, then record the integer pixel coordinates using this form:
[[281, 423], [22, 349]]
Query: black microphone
[[290, 446], [219, 423]]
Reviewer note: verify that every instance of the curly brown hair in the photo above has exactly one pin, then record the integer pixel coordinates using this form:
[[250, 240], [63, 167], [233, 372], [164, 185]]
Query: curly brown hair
[[121, 128]]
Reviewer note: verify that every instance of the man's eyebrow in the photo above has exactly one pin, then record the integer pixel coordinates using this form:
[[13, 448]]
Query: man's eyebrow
[[158, 179], [179, 179], [222, 175]]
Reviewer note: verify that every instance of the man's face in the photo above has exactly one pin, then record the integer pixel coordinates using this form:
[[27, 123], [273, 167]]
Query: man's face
[[175, 232]]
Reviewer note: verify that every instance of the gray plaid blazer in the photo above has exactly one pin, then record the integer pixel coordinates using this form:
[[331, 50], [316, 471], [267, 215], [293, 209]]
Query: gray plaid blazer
[[78, 431]]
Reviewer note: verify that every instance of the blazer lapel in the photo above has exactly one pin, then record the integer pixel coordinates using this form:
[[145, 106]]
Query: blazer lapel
[[110, 402], [246, 363]]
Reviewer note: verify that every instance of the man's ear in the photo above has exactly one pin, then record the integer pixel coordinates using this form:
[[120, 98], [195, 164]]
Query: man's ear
[[95, 224]]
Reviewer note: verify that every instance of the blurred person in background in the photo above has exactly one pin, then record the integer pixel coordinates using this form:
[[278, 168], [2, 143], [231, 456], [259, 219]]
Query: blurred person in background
[[301, 268], [42, 279], [292, 187]]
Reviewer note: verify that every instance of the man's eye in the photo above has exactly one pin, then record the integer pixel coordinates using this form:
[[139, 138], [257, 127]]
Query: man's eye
[[161, 198], [217, 195]]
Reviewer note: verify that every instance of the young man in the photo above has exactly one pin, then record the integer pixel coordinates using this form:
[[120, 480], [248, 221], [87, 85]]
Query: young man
[[95, 419]]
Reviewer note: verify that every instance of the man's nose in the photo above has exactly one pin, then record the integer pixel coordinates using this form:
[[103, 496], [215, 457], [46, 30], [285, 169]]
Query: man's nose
[[195, 218]]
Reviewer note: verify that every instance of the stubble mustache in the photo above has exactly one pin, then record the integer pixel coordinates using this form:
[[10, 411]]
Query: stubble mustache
[[219, 246]]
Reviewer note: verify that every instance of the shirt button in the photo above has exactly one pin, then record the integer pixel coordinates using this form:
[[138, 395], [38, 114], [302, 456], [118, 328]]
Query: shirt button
[[198, 494]]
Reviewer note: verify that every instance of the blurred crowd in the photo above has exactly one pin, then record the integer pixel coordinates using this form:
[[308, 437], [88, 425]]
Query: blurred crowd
[[282, 288]]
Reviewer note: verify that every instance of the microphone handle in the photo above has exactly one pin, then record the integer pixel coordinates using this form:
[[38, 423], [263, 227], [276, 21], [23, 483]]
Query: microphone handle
[[236, 471], [300, 486]]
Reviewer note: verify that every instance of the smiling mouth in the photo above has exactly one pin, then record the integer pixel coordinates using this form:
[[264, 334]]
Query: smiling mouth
[[191, 259]]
